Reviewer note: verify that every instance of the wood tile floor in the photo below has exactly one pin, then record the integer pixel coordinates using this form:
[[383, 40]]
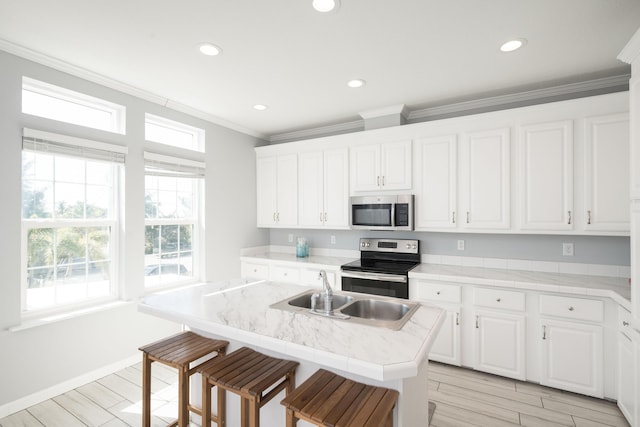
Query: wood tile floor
[[463, 398]]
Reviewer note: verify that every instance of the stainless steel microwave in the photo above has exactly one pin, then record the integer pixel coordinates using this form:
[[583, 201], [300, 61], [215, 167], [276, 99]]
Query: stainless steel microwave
[[384, 212]]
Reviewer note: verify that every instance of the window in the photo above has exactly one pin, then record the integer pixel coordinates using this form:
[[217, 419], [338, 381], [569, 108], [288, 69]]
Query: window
[[175, 134], [173, 189], [69, 219], [57, 103]]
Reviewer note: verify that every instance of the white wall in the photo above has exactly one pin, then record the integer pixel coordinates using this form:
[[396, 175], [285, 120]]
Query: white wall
[[42, 357]]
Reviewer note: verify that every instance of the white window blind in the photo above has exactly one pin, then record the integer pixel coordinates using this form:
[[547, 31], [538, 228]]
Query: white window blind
[[36, 140], [162, 165]]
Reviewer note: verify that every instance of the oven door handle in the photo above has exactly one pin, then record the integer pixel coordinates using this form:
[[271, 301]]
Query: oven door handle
[[376, 276]]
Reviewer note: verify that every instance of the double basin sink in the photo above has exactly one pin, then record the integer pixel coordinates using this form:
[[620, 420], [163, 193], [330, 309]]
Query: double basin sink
[[357, 308]]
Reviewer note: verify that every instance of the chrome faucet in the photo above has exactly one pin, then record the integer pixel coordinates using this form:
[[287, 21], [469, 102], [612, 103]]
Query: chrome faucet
[[327, 292]]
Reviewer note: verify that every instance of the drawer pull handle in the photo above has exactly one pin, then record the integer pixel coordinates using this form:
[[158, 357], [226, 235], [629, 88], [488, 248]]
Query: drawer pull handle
[[457, 319], [625, 323], [453, 217], [438, 293], [544, 332], [477, 323], [467, 217], [588, 217], [571, 309], [569, 213], [498, 300]]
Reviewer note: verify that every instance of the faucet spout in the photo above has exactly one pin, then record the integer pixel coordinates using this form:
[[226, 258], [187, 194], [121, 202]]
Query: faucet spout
[[327, 292]]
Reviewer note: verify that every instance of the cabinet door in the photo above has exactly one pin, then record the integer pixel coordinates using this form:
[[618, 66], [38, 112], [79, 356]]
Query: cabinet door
[[266, 188], [365, 168], [336, 188], [311, 189], [500, 344], [446, 348], [436, 189], [546, 176], [287, 200], [572, 357], [627, 401], [606, 174], [396, 166], [634, 101], [486, 182]]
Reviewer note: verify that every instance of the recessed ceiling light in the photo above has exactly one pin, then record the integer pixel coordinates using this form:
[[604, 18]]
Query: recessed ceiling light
[[356, 83], [512, 45], [260, 107], [209, 49], [325, 5]]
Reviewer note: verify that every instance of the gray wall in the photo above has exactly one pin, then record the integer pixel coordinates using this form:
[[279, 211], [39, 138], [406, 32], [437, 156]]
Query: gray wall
[[41, 357], [590, 250]]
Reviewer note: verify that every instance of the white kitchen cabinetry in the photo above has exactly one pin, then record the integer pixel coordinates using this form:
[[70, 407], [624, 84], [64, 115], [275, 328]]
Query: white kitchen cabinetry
[[485, 180], [499, 345], [627, 368], [254, 270], [447, 346], [277, 191], [436, 189], [381, 166], [606, 174], [323, 184], [572, 356], [546, 176]]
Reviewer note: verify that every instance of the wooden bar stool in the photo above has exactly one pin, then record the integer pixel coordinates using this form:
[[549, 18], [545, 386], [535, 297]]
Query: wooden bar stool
[[177, 351], [248, 374], [327, 399]]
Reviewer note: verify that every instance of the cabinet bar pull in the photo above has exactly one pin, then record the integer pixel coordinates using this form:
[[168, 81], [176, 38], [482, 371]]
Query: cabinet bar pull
[[625, 323], [278, 216], [477, 323], [569, 213], [588, 217], [320, 216], [544, 332], [383, 180], [274, 217], [467, 217], [453, 217], [457, 319], [325, 217], [378, 181]]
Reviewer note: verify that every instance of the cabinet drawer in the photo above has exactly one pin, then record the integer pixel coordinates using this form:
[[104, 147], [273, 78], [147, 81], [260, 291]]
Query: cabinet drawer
[[427, 291], [251, 270], [284, 274], [499, 298], [572, 308]]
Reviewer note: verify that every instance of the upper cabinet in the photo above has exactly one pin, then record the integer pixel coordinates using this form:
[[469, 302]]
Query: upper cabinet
[[323, 186], [546, 176], [378, 167], [606, 173], [277, 191], [485, 180], [436, 186]]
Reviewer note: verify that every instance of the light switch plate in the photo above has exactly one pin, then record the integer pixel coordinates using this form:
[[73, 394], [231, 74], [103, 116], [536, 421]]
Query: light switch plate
[[290, 238], [333, 240], [567, 249], [461, 245]]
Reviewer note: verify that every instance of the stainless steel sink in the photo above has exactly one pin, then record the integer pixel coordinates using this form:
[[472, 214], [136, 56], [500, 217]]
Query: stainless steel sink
[[391, 313]]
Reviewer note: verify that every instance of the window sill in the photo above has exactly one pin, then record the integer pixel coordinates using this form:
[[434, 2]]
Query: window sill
[[34, 322]]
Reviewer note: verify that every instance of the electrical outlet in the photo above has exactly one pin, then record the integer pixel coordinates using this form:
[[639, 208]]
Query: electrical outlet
[[290, 238], [461, 245], [567, 249], [333, 240]]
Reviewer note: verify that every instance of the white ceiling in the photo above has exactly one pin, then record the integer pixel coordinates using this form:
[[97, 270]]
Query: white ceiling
[[297, 61]]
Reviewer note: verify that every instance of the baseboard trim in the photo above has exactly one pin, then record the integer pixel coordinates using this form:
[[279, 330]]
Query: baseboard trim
[[63, 387]]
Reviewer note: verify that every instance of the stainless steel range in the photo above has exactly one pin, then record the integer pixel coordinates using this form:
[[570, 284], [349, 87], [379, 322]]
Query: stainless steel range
[[383, 267]]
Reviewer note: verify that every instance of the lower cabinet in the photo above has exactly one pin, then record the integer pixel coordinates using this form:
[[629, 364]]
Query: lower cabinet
[[446, 348], [628, 371], [572, 357], [499, 345]]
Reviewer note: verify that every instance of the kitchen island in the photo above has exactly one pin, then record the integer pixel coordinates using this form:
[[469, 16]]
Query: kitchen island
[[239, 311]]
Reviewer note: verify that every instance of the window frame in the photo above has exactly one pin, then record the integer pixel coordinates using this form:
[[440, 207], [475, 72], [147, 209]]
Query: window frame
[[198, 134], [117, 112]]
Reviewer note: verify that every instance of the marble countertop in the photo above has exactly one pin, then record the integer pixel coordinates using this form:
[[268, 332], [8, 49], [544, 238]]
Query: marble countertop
[[239, 310], [617, 288], [319, 261]]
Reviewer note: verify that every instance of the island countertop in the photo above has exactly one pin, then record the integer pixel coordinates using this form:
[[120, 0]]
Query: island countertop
[[240, 310]]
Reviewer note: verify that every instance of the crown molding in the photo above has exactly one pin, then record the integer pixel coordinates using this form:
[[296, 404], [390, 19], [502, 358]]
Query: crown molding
[[354, 126], [400, 109], [83, 73], [521, 97], [632, 50]]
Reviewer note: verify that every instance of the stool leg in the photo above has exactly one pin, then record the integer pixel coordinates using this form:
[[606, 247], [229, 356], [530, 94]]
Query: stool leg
[[292, 421], [222, 407], [206, 402], [183, 397], [146, 390], [244, 412], [254, 413]]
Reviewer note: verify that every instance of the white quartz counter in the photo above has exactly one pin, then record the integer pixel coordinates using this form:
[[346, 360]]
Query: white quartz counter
[[240, 311]]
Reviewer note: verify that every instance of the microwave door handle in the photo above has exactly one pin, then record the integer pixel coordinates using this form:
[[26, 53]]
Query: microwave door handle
[[375, 276], [393, 214]]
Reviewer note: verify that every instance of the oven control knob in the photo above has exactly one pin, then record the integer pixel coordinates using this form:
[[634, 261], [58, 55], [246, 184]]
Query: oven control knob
[[367, 244], [408, 246]]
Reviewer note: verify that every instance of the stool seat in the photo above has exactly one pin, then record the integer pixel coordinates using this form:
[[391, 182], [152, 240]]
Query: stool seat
[[178, 351], [327, 399], [249, 374]]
